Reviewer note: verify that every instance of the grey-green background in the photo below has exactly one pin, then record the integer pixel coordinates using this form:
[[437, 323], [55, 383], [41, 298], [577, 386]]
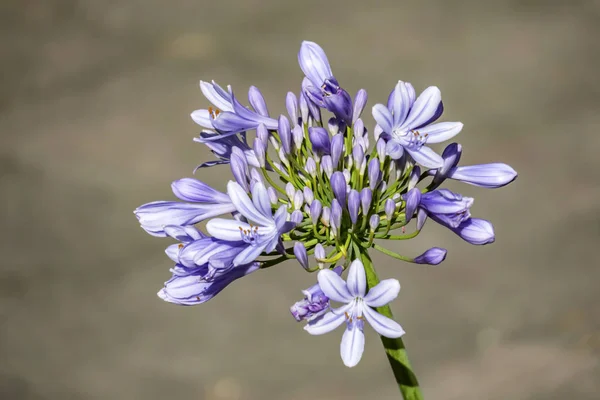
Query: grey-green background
[[95, 99]]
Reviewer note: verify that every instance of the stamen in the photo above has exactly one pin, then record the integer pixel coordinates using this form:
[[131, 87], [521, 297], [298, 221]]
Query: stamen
[[180, 246]]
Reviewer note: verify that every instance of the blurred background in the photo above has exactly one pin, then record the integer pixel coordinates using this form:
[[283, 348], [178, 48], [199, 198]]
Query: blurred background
[[95, 99]]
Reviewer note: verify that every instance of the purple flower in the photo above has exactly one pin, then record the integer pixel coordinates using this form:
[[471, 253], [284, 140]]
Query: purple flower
[[406, 123], [189, 287], [206, 202], [489, 176], [230, 117], [356, 309], [221, 146], [443, 206], [315, 304], [256, 238], [183, 234], [325, 90]]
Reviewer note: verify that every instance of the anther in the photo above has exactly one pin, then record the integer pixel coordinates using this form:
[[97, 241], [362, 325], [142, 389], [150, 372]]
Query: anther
[[180, 246]]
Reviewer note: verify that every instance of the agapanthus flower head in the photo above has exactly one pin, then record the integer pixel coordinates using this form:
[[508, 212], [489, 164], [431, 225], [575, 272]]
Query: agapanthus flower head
[[324, 190]]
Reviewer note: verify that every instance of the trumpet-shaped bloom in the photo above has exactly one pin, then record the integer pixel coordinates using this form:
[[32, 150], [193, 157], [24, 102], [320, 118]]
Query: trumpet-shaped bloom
[[264, 236], [204, 202], [189, 286], [406, 124], [357, 309], [230, 116]]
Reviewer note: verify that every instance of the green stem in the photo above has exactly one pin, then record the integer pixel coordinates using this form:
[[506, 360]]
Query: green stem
[[394, 348], [392, 254]]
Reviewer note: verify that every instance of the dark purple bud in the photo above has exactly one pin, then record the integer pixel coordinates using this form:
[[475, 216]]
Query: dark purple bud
[[296, 217], [311, 167], [390, 208], [337, 148], [374, 173], [291, 104], [301, 254], [374, 222], [340, 104], [308, 195], [336, 216], [259, 151], [338, 185], [263, 134], [257, 101], [366, 196], [360, 101], [320, 140], [298, 199], [476, 231], [353, 205], [285, 134], [298, 136], [413, 199], [433, 256], [325, 215], [382, 187], [358, 155], [315, 211], [239, 167], [327, 165]]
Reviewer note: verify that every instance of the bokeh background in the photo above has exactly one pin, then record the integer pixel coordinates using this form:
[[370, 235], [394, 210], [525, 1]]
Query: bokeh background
[[95, 99]]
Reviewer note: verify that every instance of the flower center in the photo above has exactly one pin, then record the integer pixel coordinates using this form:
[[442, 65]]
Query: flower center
[[413, 138], [328, 88], [251, 235], [214, 112]]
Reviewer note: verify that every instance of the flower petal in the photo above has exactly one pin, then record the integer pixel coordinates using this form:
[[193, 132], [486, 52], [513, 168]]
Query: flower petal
[[357, 279], [226, 229], [202, 118], [326, 324], [189, 189], [490, 176], [401, 102], [441, 131], [244, 205], [394, 150], [333, 286], [314, 63], [383, 117], [249, 254], [261, 201], [426, 157], [352, 346], [424, 109], [476, 231], [383, 325], [216, 95], [383, 293]]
